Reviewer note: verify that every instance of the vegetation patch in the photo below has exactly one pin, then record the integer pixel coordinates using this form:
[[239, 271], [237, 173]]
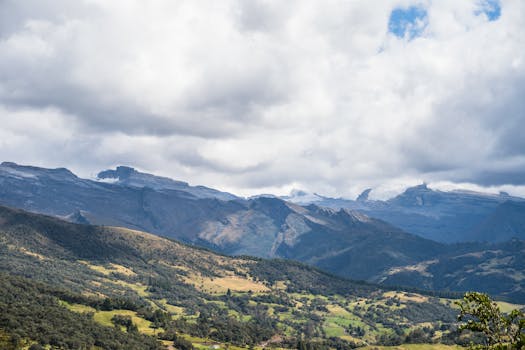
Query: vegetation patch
[[221, 285], [172, 309], [33, 254], [109, 269], [404, 297], [508, 307], [144, 326], [78, 307], [140, 289]]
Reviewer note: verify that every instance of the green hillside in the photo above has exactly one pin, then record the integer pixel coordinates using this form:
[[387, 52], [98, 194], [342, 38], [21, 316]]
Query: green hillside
[[31, 314], [134, 282]]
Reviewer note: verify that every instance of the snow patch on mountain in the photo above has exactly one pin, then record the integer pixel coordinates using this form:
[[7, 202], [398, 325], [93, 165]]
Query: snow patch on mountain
[[9, 171], [302, 197]]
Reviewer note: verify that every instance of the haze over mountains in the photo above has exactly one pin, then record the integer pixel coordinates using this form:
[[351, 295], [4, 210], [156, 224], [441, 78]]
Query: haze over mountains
[[455, 216], [345, 239]]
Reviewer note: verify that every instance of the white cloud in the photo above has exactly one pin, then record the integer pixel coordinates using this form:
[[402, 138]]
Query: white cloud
[[266, 95]]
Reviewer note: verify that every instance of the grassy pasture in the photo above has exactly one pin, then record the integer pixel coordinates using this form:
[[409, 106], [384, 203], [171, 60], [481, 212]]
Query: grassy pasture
[[220, 285], [104, 317]]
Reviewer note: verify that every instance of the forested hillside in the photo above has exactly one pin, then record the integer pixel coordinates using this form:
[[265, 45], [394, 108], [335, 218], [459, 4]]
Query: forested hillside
[[141, 282]]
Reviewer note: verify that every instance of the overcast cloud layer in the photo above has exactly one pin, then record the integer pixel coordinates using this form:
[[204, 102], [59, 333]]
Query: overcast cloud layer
[[265, 96]]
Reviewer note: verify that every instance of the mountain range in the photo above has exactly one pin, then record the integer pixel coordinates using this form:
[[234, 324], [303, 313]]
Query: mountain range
[[449, 217], [349, 242]]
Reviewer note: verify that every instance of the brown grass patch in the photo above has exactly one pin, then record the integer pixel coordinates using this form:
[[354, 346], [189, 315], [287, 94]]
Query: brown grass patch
[[402, 296], [33, 254], [220, 285]]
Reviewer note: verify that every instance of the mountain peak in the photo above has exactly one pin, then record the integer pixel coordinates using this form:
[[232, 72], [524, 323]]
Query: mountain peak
[[419, 188], [418, 196], [297, 192], [9, 164], [122, 172], [29, 171], [364, 195], [302, 197], [128, 176]]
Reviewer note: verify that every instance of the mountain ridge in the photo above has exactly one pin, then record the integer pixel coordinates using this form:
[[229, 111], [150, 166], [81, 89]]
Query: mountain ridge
[[266, 227], [443, 216], [343, 241]]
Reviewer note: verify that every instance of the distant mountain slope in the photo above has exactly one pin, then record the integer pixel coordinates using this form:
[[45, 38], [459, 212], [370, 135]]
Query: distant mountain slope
[[169, 288], [442, 216], [497, 269], [60, 193], [507, 221], [357, 246]]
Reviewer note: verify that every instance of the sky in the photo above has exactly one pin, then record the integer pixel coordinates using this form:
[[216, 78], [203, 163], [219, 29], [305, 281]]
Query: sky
[[265, 96]]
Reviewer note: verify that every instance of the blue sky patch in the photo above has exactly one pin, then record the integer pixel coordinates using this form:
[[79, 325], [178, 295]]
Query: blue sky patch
[[408, 22], [491, 8]]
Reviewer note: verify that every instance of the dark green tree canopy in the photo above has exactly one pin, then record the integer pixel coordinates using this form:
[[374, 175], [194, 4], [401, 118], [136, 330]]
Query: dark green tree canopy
[[501, 331]]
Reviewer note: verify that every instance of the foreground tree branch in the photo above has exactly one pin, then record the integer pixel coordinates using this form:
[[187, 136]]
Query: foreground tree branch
[[501, 331]]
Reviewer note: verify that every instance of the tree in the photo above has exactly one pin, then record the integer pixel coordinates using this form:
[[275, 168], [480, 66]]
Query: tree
[[482, 315], [36, 347]]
